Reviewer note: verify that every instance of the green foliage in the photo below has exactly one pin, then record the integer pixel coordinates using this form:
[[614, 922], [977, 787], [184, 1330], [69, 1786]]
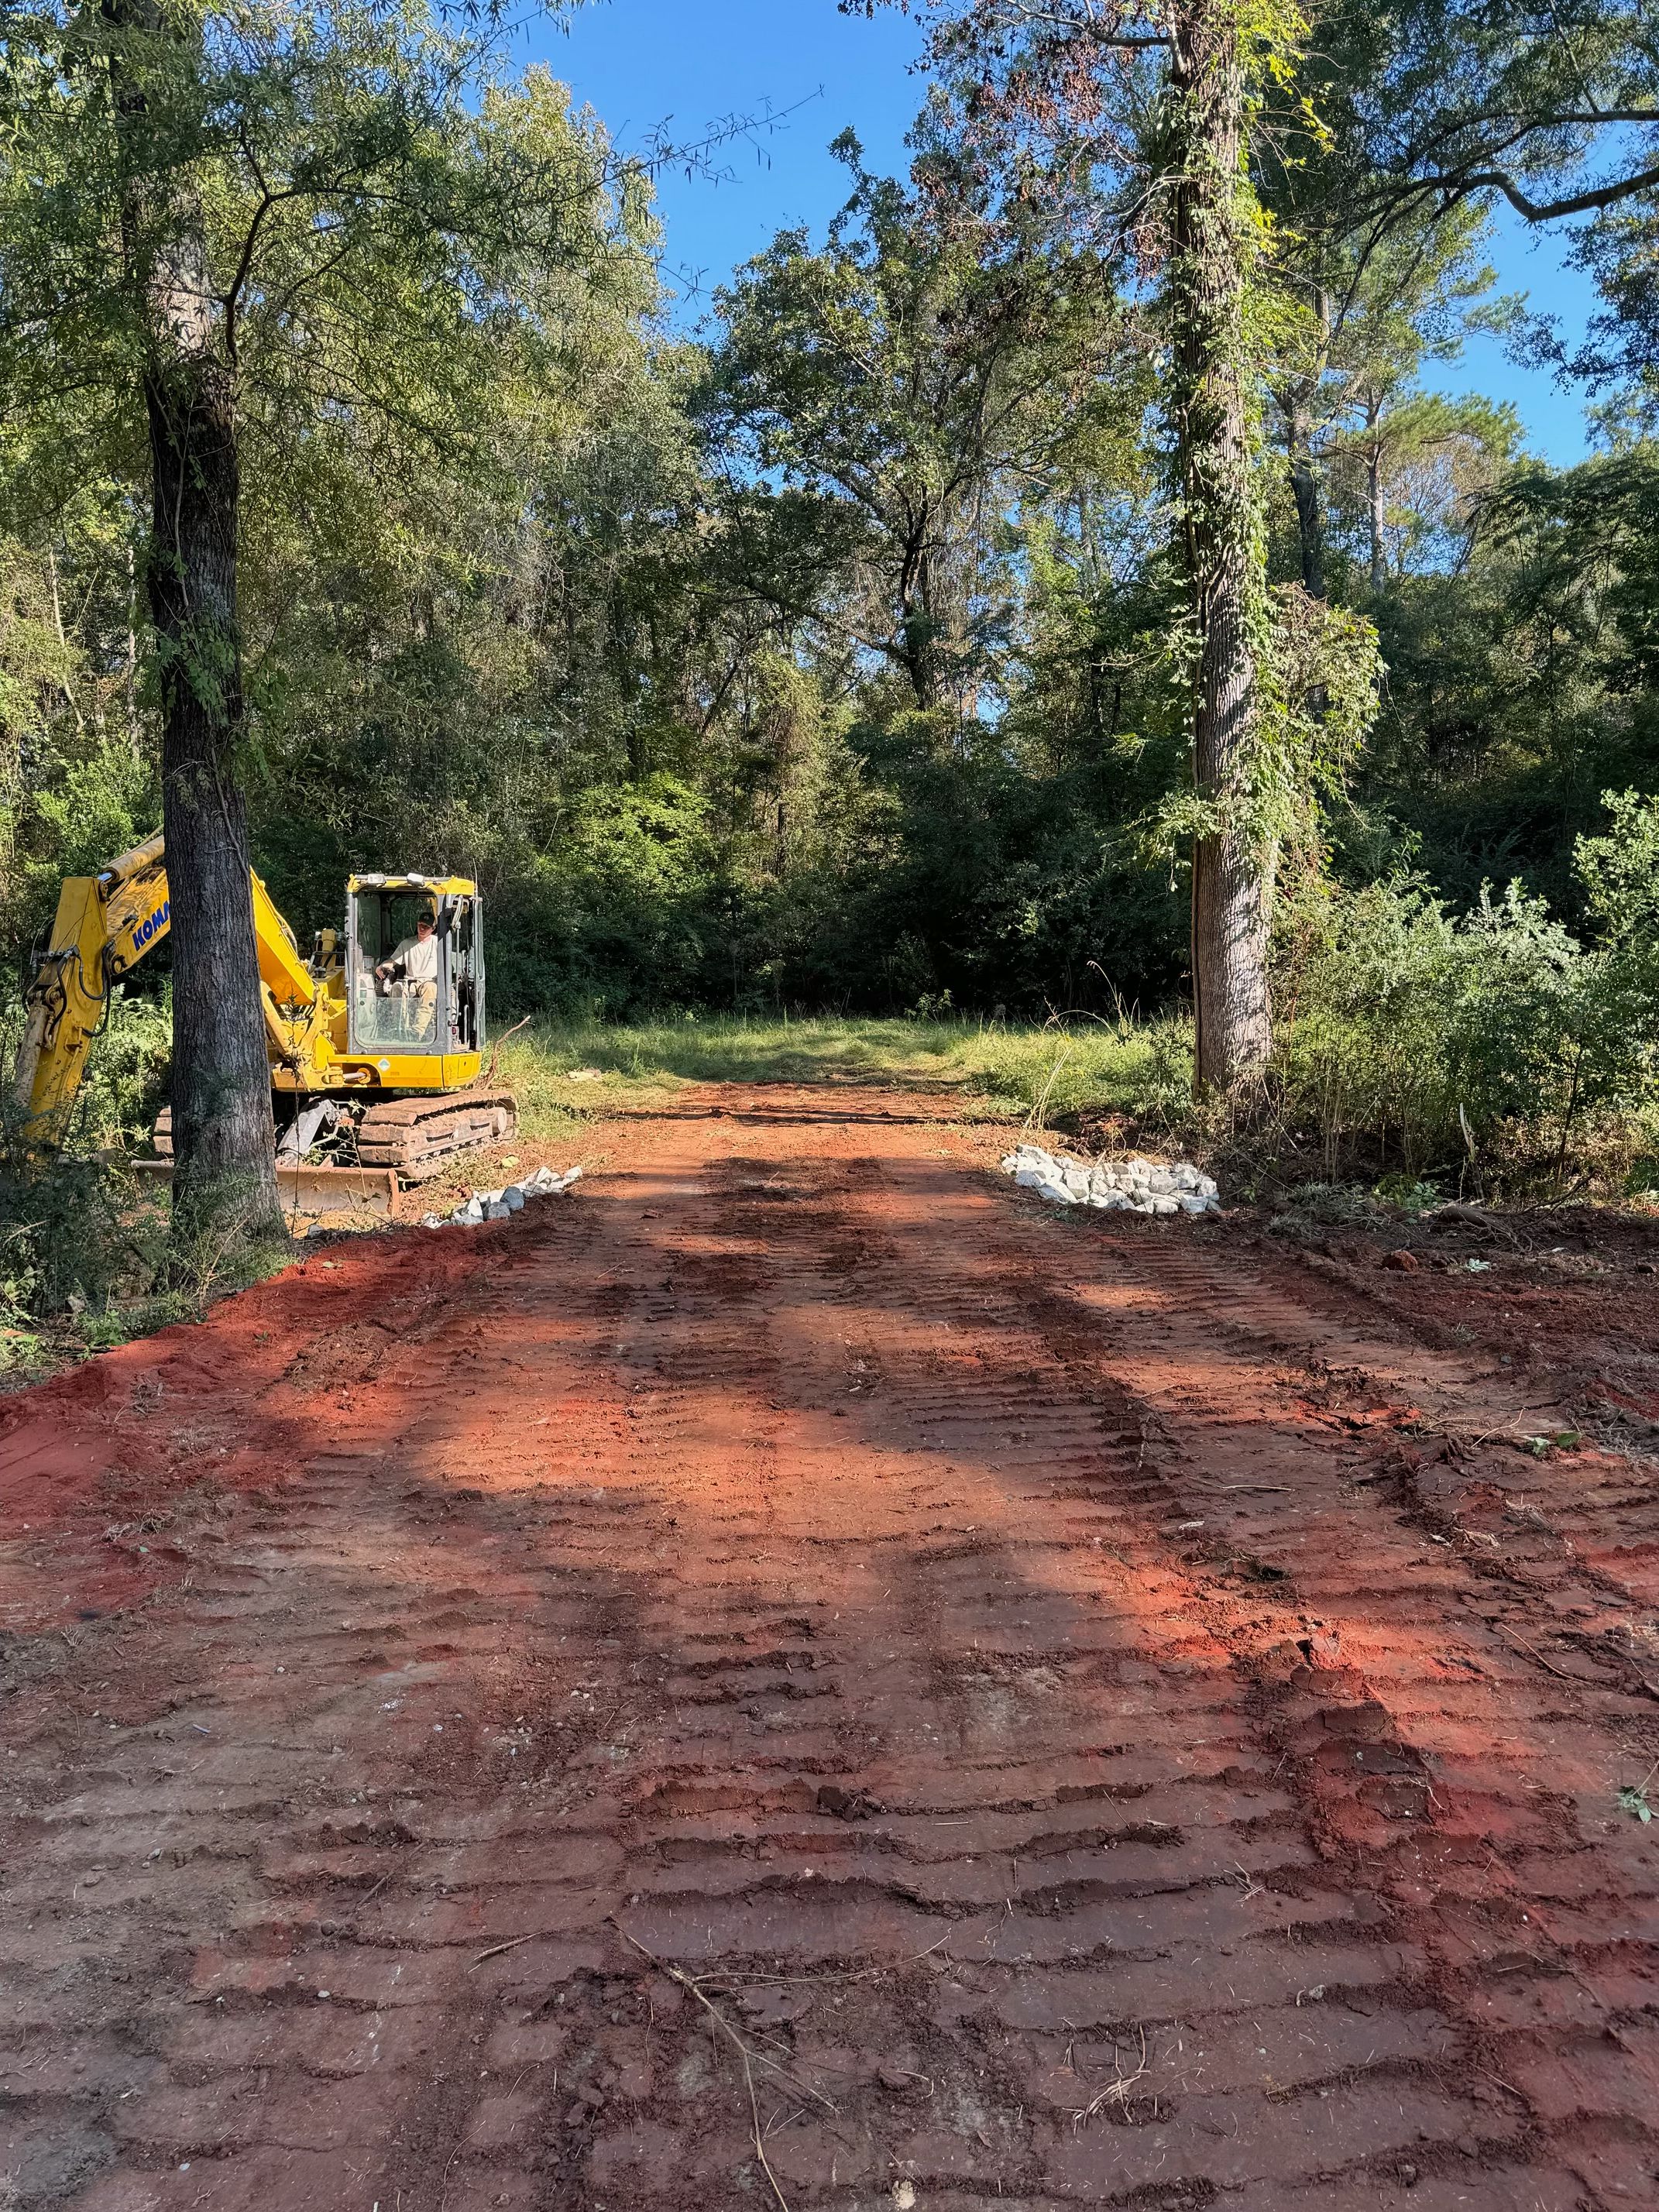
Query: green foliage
[[946, 358], [1490, 1042], [63, 1243], [1620, 872], [1633, 1798]]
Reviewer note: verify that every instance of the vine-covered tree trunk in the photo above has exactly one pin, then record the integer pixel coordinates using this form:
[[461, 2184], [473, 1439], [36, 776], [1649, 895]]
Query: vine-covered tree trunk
[[1231, 887], [224, 1171]]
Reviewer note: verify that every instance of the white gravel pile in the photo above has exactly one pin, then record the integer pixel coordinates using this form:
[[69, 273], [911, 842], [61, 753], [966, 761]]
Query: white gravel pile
[[1128, 1185], [497, 1205]]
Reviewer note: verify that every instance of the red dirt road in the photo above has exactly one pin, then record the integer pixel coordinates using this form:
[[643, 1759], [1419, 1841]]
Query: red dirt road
[[1088, 1712]]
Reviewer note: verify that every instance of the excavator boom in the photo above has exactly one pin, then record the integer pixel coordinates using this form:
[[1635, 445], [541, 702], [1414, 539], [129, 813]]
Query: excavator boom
[[104, 927]]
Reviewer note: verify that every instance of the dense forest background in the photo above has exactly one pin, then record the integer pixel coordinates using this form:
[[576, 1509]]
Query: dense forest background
[[825, 660]]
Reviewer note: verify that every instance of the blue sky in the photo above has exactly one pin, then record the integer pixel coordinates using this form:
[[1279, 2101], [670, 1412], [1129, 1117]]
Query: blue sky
[[686, 64]]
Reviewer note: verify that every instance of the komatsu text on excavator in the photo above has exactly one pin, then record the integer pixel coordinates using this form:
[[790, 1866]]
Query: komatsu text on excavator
[[375, 1039]]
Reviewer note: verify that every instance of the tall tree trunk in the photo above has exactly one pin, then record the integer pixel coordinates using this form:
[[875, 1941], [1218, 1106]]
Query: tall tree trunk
[[918, 644], [1309, 511], [224, 1145], [224, 1149], [1374, 505], [1232, 874], [130, 659], [1309, 524]]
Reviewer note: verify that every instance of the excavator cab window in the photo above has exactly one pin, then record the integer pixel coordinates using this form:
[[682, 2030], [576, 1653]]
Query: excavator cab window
[[397, 966]]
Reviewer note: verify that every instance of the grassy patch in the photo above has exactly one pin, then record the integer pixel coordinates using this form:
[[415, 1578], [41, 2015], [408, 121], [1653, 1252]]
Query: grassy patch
[[563, 1071]]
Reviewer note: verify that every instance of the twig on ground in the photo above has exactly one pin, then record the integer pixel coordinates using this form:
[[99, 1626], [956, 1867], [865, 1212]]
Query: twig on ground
[[1509, 1637], [512, 1944], [369, 1896], [1115, 2093], [691, 1985]]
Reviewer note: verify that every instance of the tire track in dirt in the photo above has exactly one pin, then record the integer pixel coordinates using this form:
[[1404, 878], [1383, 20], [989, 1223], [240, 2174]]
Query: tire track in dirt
[[953, 1641]]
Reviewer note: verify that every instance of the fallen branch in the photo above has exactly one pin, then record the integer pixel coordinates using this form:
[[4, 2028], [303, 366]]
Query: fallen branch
[[1509, 1637], [690, 1984], [489, 1076]]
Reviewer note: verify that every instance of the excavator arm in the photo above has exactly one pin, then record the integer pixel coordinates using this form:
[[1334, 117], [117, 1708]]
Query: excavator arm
[[105, 925]]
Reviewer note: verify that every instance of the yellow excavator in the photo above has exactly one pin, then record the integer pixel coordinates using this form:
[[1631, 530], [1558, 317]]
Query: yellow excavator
[[375, 1038]]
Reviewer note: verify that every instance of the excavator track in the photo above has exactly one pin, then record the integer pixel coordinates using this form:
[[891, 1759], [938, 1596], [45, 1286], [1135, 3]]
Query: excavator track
[[418, 1137]]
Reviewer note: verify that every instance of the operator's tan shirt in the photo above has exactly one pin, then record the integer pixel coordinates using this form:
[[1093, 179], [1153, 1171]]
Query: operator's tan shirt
[[419, 960]]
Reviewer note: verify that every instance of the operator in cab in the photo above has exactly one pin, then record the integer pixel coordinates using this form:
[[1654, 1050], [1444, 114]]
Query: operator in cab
[[414, 961]]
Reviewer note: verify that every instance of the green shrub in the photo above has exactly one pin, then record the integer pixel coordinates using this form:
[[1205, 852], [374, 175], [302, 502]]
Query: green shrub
[[1493, 1041], [62, 1243]]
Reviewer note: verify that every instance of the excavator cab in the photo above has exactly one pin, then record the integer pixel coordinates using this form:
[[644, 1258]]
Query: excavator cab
[[414, 965]]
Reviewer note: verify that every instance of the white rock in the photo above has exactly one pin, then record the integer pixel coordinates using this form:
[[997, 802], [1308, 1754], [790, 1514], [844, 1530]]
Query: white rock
[[1133, 1183], [432, 1221]]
